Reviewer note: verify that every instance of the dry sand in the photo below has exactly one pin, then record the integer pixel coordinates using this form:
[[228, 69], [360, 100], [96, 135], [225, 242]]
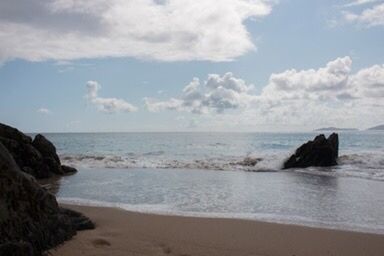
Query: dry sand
[[119, 232]]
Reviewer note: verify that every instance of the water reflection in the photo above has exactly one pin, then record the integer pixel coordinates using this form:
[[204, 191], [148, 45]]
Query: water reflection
[[280, 196], [316, 180]]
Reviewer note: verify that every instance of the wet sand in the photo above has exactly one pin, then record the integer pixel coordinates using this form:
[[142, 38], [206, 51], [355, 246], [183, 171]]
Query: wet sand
[[120, 232]]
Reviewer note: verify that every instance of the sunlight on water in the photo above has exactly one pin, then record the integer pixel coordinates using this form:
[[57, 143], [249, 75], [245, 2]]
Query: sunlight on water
[[287, 197], [202, 174], [361, 153]]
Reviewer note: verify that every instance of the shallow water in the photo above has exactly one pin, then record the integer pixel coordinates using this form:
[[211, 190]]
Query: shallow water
[[199, 174], [361, 153], [286, 197]]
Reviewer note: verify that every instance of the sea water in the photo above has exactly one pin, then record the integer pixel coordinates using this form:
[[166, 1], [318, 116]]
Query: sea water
[[201, 174]]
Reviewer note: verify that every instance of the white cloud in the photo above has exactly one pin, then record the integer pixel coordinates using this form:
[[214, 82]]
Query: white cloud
[[368, 82], [169, 30], [369, 17], [107, 105], [217, 93], [360, 2], [44, 111], [323, 83], [332, 83], [332, 95]]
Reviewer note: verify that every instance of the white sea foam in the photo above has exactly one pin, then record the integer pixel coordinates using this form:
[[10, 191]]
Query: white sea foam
[[368, 165], [268, 163]]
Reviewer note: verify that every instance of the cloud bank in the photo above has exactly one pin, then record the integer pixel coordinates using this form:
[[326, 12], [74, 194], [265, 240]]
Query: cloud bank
[[106, 105], [369, 17], [329, 82], [332, 94], [171, 30], [329, 95], [217, 93]]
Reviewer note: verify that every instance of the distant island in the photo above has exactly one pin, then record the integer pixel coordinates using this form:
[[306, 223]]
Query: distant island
[[377, 128], [336, 129]]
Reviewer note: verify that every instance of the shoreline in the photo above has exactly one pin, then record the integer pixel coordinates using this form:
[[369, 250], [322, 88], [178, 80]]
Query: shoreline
[[122, 232], [225, 216]]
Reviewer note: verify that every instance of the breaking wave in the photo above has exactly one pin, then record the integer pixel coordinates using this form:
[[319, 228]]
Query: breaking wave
[[141, 161], [360, 165]]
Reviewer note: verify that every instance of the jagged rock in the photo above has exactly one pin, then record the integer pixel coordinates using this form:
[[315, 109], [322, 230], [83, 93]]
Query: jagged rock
[[37, 158], [27, 157], [53, 166], [45, 147], [12, 133], [78, 220], [68, 170], [48, 151], [319, 152], [30, 216], [16, 249]]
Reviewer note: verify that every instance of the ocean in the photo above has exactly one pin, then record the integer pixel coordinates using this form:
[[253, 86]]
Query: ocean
[[201, 174]]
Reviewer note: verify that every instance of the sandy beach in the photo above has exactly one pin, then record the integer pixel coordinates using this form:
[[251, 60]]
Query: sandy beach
[[120, 232]]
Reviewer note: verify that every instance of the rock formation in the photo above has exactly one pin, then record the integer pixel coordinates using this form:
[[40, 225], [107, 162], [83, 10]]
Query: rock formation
[[37, 158], [319, 152], [31, 220]]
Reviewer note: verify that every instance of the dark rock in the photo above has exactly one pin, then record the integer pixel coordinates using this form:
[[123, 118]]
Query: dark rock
[[68, 170], [28, 170], [27, 157], [78, 220], [16, 249], [37, 158], [83, 224], [53, 166], [29, 214], [45, 147], [12, 133], [319, 152], [48, 151]]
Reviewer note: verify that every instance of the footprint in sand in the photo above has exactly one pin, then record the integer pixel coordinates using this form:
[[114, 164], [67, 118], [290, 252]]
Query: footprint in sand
[[166, 249], [100, 242]]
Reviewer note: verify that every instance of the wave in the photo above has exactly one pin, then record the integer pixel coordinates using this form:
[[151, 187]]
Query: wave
[[371, 160], [369, 165], [143, 161]]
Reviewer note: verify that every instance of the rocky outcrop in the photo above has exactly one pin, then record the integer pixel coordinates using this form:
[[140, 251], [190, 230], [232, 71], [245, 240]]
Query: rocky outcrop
[[31, 220], [68, 169], [37, 158], [48, 153], [14, 134], [318, 152]]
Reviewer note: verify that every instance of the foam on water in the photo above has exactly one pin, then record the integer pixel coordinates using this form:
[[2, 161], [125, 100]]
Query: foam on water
[[268, 163], [367, 165], [361, 153], [210, 175], [162, 209], [288, 197]]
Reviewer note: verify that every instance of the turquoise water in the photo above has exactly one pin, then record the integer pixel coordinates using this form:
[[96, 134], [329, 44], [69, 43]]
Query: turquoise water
[[199, 174]]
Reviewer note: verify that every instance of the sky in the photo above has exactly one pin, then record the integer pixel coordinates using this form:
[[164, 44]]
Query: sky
[[184, 65]]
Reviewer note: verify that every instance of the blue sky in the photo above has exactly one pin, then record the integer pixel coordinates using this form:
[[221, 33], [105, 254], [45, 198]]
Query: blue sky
[[326, 56]]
